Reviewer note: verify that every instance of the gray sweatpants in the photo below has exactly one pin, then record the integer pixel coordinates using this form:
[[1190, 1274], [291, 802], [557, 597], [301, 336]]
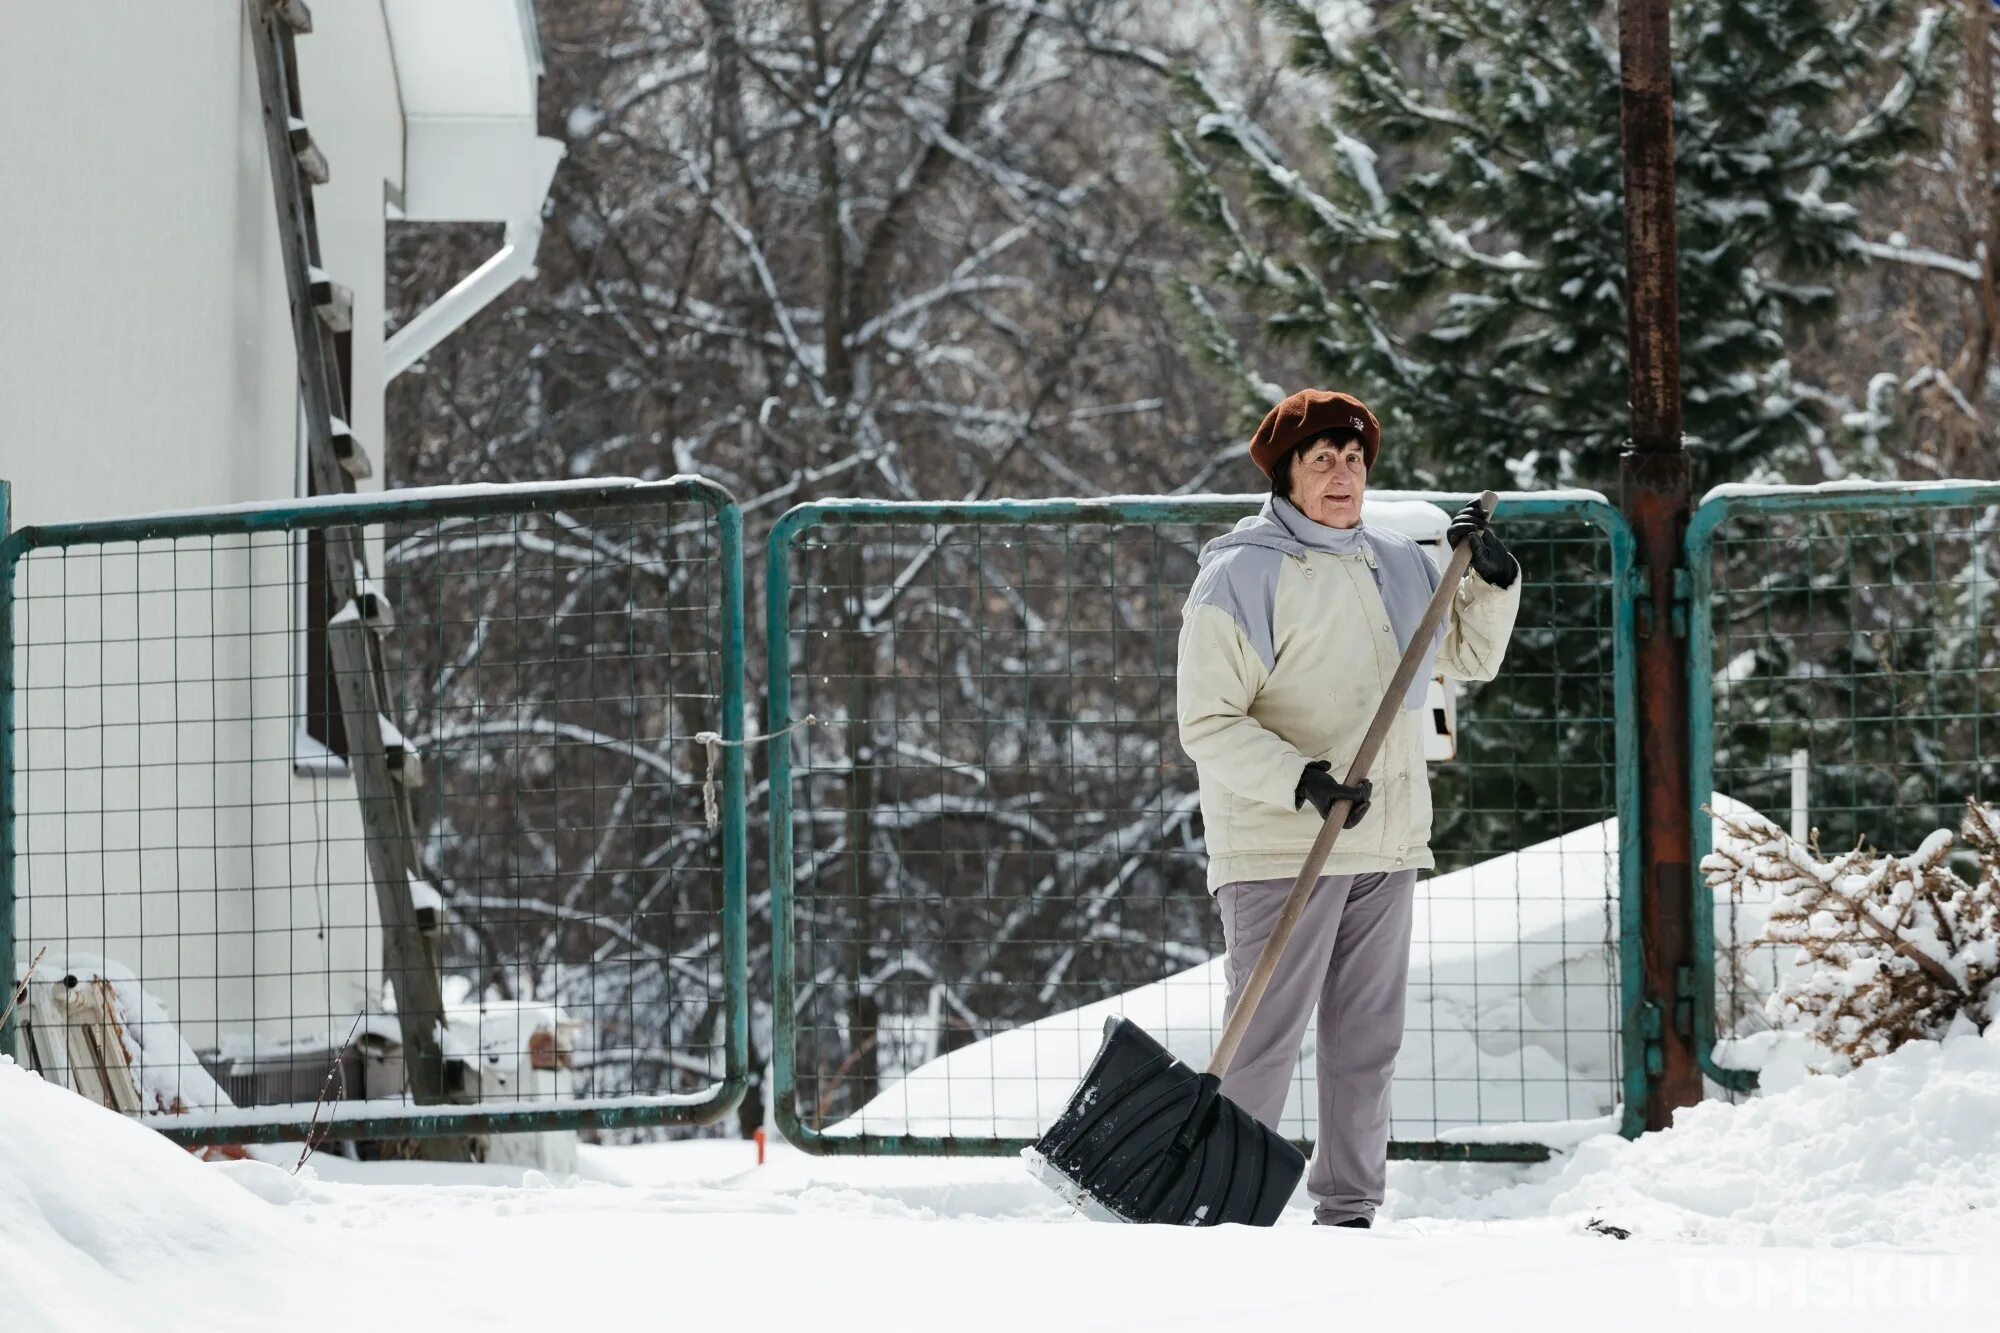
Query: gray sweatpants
[[1350, 956]]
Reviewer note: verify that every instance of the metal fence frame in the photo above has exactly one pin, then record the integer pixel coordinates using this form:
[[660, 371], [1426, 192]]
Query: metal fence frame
[[1716, 509], [1638, 1018], [442, 503]]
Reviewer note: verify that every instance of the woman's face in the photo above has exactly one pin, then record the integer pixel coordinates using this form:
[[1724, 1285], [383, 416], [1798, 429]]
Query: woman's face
[[1327, 481]]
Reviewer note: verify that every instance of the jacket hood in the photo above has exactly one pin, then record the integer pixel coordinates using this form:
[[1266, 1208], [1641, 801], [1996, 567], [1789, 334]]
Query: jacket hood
[[1279, 526]]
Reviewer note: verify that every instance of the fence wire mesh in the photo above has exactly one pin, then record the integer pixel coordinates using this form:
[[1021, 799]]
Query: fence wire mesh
[[188, 858], [1845, 681], [992, 837]]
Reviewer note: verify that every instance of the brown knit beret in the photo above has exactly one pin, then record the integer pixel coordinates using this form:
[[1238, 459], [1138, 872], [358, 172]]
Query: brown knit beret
[[1309, 413]]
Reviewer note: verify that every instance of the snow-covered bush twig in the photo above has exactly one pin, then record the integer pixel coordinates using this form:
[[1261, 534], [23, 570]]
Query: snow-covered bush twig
[[334, 1085], [21, 991], [1892, 949]]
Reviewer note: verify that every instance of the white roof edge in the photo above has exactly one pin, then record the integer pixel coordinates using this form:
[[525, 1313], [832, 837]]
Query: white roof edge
[[464, 57], [468, 76]]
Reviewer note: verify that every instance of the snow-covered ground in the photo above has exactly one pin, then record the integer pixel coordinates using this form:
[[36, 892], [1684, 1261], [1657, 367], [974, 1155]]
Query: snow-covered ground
[[1820, 1205], [1823, 1202]]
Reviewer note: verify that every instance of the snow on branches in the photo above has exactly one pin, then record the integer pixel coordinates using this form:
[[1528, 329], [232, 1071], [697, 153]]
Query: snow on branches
[[1891, 949], [1448, 245]]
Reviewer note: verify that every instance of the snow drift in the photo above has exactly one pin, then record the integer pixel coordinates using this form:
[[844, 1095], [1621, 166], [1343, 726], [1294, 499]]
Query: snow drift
[[1900, 1152], [103, 1222], [1513, 1017]]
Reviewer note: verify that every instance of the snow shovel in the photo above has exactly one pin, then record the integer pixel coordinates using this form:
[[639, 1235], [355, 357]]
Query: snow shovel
[[1145, 1138]]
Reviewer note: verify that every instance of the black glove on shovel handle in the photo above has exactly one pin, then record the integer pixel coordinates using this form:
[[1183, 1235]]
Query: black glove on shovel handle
[[1146, 1139], [1318, 785], [1491, 559]]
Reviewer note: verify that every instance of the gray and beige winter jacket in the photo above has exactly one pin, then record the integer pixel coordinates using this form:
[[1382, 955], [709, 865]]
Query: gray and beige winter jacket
[[1288, 640]]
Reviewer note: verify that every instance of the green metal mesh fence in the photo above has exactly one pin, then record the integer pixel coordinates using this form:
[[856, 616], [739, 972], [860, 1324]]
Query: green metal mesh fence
[[187, 856], [989, 837], [1845, 676]]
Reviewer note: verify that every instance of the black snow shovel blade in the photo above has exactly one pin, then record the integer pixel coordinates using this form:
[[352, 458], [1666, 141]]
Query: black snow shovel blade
[[1147, 1139]]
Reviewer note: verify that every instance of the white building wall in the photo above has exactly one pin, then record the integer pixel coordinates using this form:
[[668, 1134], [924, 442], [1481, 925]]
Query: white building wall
[[138, 255], [146, 363]]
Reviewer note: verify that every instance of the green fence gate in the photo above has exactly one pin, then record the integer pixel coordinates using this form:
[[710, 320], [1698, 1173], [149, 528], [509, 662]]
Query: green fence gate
[[1845, 674], [179, 846], [985, 836]]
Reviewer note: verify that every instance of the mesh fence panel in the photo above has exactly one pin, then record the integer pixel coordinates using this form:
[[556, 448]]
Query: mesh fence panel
[[992, 837], [188, 851], [1846, 677]]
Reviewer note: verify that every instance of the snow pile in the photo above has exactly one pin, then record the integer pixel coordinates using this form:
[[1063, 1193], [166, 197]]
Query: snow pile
[[101, 1218], [1902, 1151], [1505, 956], [1512, 1017]]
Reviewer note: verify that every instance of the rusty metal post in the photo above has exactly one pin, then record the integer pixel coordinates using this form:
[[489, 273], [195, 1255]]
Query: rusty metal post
[[1657, 485]]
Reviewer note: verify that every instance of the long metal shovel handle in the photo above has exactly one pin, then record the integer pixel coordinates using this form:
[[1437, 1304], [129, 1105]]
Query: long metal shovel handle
[[1329, 833]]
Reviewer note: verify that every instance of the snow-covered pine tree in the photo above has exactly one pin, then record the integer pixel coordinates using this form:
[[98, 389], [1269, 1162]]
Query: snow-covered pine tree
[[1455, 252]]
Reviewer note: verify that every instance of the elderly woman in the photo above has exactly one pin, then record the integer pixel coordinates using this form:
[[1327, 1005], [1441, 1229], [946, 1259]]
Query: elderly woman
[[1295, 624]]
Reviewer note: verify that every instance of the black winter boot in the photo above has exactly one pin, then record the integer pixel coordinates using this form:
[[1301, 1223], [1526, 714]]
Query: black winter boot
[[1360, 1222]]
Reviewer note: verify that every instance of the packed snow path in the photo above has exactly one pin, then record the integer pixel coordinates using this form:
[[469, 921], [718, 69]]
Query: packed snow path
[[1819, 1206]]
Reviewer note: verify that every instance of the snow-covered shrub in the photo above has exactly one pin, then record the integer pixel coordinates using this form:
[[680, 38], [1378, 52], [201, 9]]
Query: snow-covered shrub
[[1891, 949]]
